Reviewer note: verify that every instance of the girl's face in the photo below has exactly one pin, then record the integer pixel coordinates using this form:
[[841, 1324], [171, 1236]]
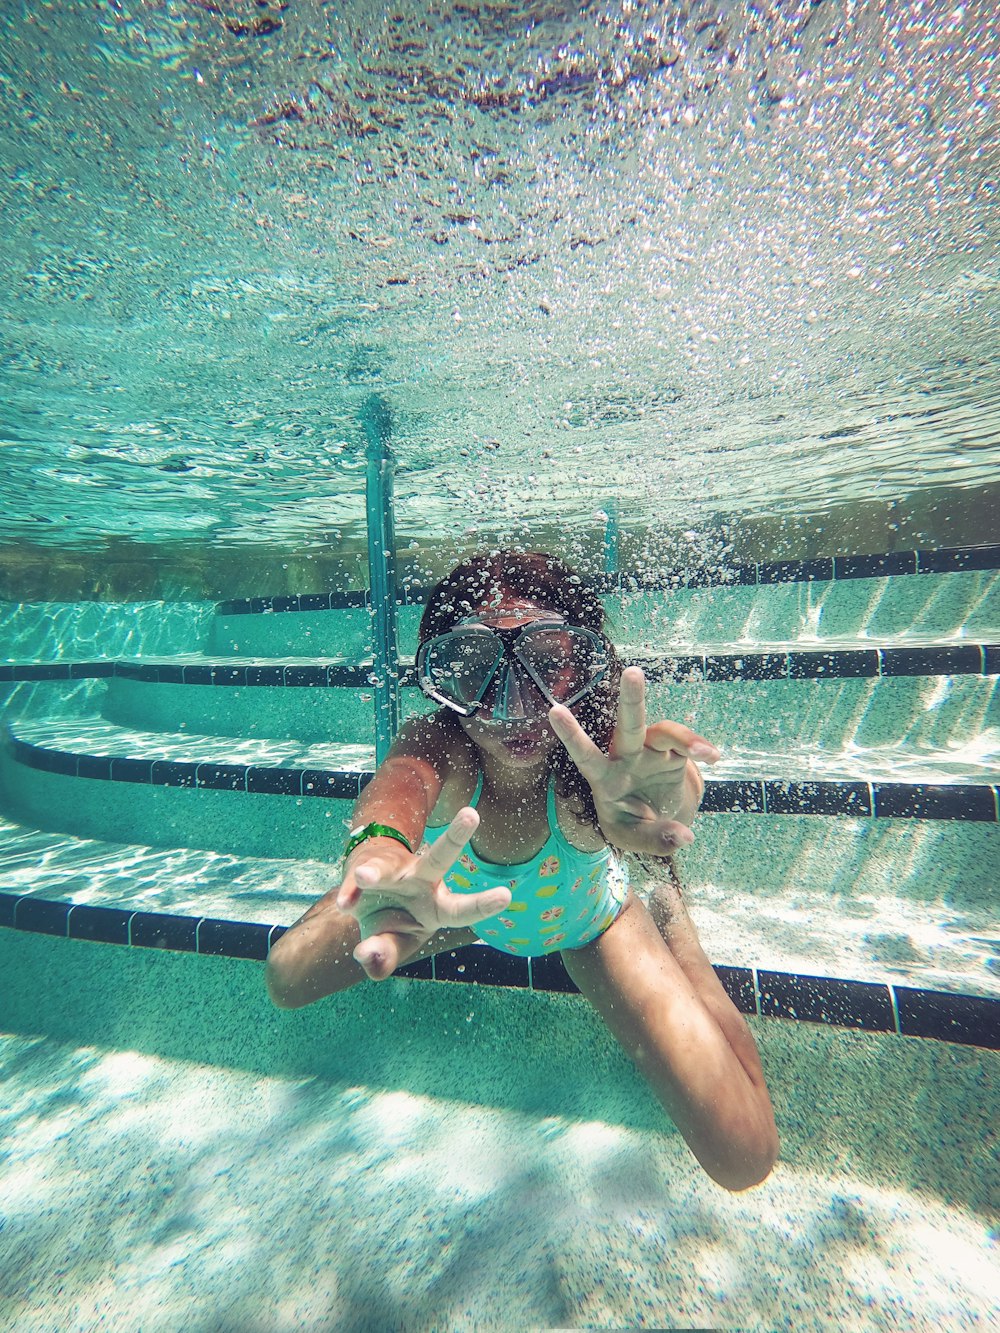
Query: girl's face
[[520, 744]]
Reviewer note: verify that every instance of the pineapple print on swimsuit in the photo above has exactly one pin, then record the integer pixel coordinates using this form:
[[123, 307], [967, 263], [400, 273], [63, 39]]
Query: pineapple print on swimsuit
[[562, 898]]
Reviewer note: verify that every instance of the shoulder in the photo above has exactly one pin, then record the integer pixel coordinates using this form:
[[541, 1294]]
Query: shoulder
[[436, 745]]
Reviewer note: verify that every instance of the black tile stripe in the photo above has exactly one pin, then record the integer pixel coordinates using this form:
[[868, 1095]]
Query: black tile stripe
[[732, 796], [853, 1004], [479, 963], [974, 802], [818, 798], [834, 664], [967, 1019], [898, 800], [107, 925], [874, 566], [970, 1020], [233, 939]]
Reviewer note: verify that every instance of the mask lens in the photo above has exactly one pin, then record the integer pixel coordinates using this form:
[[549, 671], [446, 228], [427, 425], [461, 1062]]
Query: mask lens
[[458, 667], [565, 662]]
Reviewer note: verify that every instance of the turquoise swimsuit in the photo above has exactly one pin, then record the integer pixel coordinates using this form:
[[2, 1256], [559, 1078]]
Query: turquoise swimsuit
[[562, 898]]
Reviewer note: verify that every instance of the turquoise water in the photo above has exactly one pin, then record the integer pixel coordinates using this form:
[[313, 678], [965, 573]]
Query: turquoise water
[[749, 256], [722, 282]]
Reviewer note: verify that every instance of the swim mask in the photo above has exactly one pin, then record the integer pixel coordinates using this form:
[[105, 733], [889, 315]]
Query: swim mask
[[511, 675]]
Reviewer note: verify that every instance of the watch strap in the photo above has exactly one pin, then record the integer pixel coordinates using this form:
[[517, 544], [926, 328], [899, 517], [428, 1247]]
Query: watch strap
[[366, 831]]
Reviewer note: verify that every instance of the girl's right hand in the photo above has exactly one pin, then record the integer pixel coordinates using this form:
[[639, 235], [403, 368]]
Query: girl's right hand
[[400, 901]]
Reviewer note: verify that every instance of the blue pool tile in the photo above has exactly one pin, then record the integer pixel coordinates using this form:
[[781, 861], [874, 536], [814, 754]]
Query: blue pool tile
[[326, 782], [738, 985], [42, 671], [747, 666], [265, 675], [314, 676], [314, 601], [160, 930], [548, 973], [222, 777], [8, 901], [818, 798], [286, 603], [171, 673], [91, 670], [796, 571], [129, 670], [421, 970], [173, 773], [477, 962], [899, 800], [94, 766], [41, 917], [233, 939], [260, 606], [852, 1004], [991, 659], [958, 557], [198, 675], [970, 1020], [834, 665], [109, 925], [874, 566], [730, 796], [238, 606], [229, 675], [948, 660], [350, 600], [276, 781], [131, 770], [6, 672], [49, 761]]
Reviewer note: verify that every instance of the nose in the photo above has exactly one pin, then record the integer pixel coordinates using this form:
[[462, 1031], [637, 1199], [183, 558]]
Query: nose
[[512, 697]]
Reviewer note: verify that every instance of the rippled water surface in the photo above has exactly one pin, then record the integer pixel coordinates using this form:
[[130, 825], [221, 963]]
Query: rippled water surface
[[704, 262]]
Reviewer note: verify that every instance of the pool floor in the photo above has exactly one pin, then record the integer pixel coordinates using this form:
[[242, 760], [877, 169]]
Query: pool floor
[[423, 1156]]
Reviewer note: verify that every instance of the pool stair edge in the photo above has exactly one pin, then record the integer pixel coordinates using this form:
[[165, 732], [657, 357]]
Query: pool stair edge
[[881, 1007]]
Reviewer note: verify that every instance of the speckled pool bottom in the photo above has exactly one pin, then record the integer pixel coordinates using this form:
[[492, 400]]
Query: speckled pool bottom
[[496, 1184]]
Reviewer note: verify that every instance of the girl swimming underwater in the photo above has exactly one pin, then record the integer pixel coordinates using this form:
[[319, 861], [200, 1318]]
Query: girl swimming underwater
[[536, 771]]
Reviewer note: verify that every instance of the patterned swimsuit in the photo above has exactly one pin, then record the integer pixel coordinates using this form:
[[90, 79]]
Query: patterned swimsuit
[[562, 898]]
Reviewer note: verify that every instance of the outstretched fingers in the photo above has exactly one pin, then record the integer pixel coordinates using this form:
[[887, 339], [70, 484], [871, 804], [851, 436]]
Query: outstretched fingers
[[630, 728]]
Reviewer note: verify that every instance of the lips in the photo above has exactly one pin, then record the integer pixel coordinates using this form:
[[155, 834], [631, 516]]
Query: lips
[[522, 743]]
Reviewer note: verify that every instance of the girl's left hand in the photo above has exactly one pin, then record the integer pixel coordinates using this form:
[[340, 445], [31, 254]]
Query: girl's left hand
[[643, 790]]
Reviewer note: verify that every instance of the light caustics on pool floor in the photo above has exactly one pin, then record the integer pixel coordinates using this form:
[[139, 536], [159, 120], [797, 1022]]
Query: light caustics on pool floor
[[186, 1185]]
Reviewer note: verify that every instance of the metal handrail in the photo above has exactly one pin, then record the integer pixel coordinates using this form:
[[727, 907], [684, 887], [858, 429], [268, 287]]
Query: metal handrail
[[379, 511]]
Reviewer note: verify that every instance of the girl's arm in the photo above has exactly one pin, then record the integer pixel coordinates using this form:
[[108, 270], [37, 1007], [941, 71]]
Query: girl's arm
[[395, 899]]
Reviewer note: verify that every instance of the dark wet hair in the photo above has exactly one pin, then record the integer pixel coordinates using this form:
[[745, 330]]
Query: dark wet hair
[[548, 581]]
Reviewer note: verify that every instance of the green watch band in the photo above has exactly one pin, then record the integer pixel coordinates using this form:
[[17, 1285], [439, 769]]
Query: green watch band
[[366, 831]]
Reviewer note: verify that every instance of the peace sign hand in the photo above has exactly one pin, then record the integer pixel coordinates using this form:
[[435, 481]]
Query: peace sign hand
[[643, 790], [400, 901]]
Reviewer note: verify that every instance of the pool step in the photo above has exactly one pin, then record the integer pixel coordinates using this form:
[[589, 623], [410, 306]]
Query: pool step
[[185, 899], [830, 830], [923, 695], [955, 606]]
